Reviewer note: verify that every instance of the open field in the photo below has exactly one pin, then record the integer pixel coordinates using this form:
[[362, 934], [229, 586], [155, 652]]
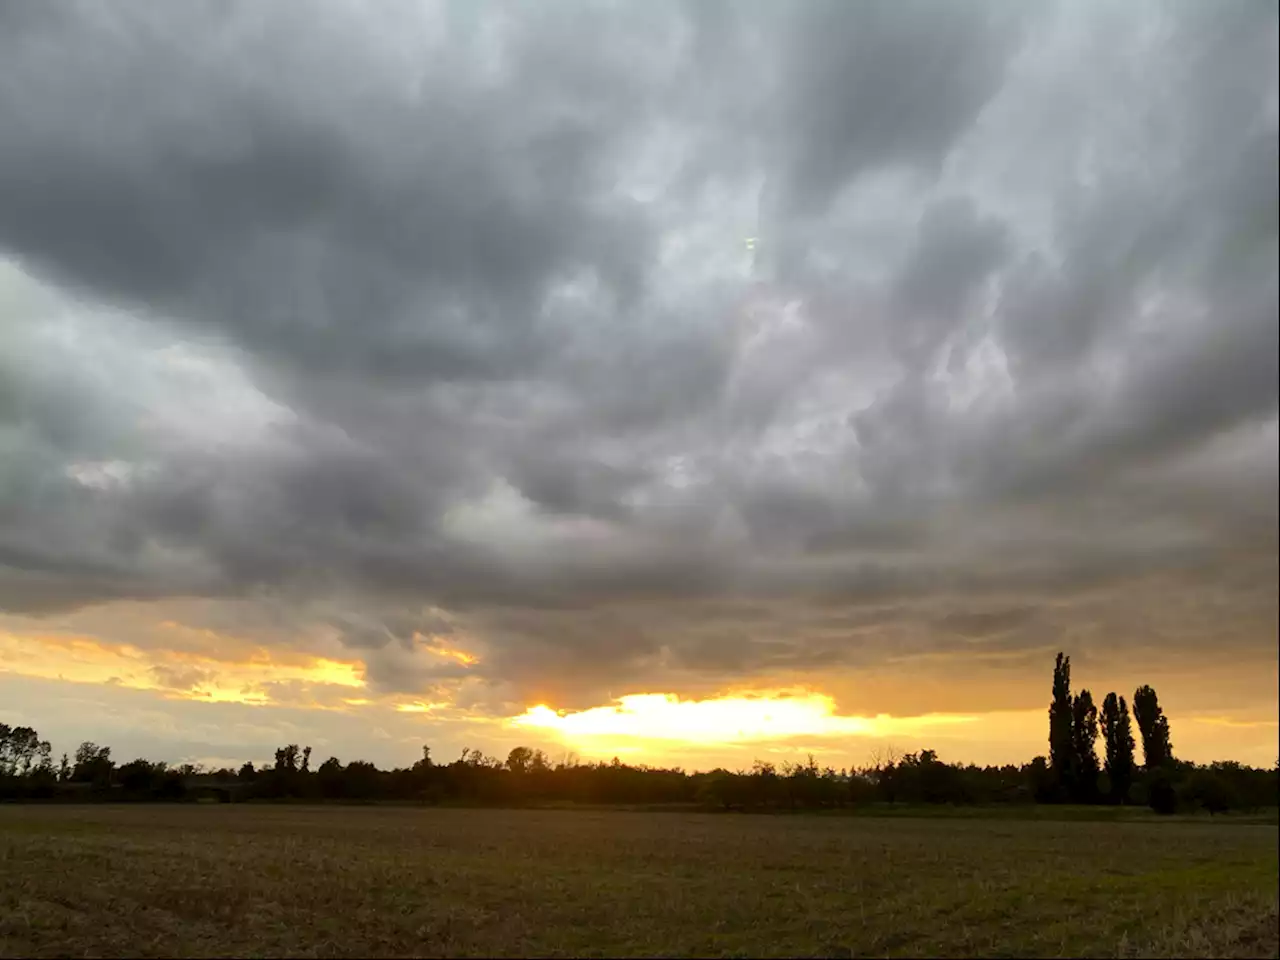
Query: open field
[[196, 880]]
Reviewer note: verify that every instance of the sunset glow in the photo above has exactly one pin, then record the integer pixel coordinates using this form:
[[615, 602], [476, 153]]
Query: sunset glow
[[457, 656], [723, 720], [416, 707], [175, 674]]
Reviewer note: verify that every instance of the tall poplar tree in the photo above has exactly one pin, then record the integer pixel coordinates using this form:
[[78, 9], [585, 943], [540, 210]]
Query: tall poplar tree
[[1060, 744], [1117, 738], [1157, 750]]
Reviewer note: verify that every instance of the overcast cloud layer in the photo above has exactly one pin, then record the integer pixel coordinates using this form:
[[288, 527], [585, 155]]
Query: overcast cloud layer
[[368, 328]]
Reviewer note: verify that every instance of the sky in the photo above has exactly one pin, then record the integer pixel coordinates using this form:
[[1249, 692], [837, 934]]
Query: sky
[[684, 381]]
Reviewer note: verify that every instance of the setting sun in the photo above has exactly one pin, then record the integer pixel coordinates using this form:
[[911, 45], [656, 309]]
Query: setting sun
[[722, 720]]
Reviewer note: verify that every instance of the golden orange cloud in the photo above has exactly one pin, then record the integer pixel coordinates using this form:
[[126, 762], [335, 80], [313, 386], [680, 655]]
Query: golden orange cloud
[[451, 653], [417, 706], [172, 673], [1234, 722]]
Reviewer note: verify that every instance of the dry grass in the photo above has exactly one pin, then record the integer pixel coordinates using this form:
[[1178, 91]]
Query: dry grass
[[313, 882]]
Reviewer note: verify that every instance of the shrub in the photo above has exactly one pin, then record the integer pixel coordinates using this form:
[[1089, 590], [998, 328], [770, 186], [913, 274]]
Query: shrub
[[1161, 795]]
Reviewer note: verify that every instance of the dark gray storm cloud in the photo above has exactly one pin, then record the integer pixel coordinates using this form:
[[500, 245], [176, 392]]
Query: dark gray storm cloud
[[420, 320]]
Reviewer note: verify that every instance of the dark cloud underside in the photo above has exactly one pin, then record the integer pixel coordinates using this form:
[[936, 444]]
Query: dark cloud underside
[[378, 315]]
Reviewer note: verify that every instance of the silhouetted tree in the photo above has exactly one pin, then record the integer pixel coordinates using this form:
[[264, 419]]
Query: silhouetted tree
[[1117, 736], [285, 778], [723, 789], [143, 780], [1209, 790], [135, 776], [361, 780], [1157, 750], [1246, 787], [1162, 797], [287, 759], [764, 783], [21, 750], [330, 778], [1084, 739], [518, 760], [804, 785], [92, 765], [424, 779], [1061, 746], [1041, 781]]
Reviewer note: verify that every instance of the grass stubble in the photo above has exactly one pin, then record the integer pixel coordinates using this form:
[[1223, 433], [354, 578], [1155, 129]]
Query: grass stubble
[[245, 880]]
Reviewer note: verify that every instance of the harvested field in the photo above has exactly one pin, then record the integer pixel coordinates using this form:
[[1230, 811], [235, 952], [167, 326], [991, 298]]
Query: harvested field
[[203, 881]]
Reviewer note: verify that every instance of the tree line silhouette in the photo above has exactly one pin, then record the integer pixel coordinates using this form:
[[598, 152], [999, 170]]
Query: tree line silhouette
[[1072, 773]]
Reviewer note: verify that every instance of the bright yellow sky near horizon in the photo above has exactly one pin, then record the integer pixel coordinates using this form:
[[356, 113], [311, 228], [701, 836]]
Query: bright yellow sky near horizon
[[659, 728], [733, 719]]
